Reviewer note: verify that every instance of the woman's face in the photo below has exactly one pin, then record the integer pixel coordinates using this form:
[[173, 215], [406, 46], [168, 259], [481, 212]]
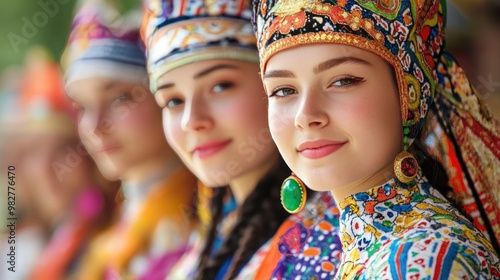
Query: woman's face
[[119, 124], [215, 118], [334, 113]]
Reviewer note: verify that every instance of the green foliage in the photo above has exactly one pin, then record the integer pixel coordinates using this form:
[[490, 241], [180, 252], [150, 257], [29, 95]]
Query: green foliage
[[25, 23]]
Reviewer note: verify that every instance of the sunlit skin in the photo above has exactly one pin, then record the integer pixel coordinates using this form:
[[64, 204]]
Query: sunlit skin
[[334, 116], [120, 125], [215, 118]]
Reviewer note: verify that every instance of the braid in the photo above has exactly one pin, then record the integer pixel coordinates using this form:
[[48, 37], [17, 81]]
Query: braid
[[260, 217], [434, 171], [264, 223], [216, 205]]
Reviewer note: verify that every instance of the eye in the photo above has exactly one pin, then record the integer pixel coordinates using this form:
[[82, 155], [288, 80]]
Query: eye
[[123, 98], [174, 102], [77, 107], [222, 87], [283, 92], [346, 82]]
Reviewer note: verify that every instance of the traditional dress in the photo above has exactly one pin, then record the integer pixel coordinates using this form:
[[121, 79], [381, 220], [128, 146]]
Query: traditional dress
[[146, 241], [187, 267], [177, 33], [152, 229], [409, 35], [395, 231], [87, 219], [307, 245]]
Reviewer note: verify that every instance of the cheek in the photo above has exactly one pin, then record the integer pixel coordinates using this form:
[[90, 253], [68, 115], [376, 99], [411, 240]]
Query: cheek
[[138, 120], [281, 124], [374, 122], [137, 116], [384, 115], [249, 112], [173, 131]]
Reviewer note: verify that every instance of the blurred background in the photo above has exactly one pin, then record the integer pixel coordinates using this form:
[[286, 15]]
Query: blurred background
[[473, 38], [49, 30], [26, 24]]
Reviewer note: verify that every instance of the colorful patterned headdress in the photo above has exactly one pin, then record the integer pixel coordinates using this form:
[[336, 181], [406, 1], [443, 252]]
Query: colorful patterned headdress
[[177, 33], [104, 44], [407, 35], [410, 36], [43, 104]]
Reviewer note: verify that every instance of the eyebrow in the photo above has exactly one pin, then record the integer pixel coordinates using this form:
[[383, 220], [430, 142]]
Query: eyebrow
[[104, 87], [202, 74], [214, 68], [279, 74], [323, 66], [165, 86]]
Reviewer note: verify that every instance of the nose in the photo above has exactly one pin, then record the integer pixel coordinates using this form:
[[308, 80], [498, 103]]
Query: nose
[[196, 115], [92, 123], [311, 113]]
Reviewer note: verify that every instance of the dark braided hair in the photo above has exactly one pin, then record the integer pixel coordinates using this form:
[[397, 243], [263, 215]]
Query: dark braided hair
[[260, 216], [216, 206], [436, 174]]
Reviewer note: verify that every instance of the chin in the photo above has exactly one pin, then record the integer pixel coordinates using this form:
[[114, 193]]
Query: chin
[[317, 185], [110, 173], [213, 181], [317, 178], [210, 174]]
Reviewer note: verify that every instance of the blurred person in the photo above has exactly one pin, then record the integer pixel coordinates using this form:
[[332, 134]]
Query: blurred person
[[120, 125], [57, 189], [31, 233]]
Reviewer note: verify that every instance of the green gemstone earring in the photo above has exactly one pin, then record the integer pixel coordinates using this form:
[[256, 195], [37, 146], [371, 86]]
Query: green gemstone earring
[[293, 194]]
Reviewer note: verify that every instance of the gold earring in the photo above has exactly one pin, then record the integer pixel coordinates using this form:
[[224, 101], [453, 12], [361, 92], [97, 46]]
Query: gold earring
[[405, 164]]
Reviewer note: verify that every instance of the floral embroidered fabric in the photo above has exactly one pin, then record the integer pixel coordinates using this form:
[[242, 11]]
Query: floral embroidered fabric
[[311, 249], [411, 232], [307, 245]]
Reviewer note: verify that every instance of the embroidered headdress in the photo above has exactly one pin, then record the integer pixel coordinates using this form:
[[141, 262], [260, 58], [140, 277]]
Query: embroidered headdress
[[410, 36], [43, 105], [102, 43], [177, 33]]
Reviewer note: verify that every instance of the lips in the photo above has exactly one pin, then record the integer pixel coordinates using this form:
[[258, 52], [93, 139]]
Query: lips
[[319, 148], [106, 149], [210, 148]]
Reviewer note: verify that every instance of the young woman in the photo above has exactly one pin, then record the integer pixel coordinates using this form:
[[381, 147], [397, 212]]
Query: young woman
[[59, 195], [66, 192], [350, 84], [203, 66], [120, 125]]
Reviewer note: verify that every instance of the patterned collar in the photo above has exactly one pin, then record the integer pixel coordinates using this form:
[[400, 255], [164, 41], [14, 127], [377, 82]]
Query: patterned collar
[[391, 209], [389, 228]]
